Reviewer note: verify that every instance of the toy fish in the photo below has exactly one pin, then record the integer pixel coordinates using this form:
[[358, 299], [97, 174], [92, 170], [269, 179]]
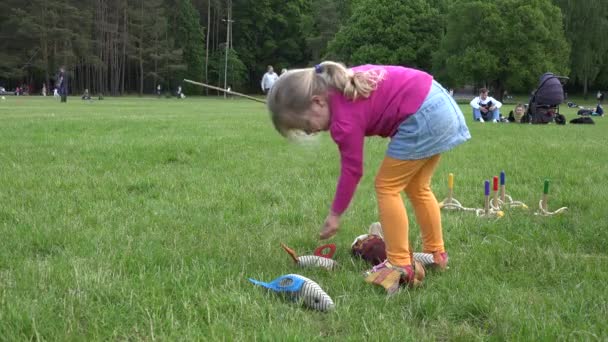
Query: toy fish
[[322, 257], [426, 259], [371, 248], [301, 289]]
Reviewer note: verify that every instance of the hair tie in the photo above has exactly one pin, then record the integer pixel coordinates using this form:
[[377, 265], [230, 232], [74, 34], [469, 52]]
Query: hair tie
[[318, 68]]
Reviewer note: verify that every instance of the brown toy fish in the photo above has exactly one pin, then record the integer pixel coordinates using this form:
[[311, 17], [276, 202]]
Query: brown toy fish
[[322, 257]]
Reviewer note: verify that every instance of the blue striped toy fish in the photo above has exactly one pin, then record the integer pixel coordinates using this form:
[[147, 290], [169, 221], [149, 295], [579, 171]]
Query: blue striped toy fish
[[300, 289]]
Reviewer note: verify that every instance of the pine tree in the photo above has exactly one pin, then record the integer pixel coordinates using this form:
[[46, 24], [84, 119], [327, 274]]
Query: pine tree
[[190, 38], [586, 24]]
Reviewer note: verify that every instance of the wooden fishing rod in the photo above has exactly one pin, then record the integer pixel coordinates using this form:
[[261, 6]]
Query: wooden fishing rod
[[227, 91]]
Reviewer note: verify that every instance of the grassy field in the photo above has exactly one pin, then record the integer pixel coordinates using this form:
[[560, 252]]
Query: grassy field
[[142, 218]]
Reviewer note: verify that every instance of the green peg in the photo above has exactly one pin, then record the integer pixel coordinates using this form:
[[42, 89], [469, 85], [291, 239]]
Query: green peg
[[546, 189]]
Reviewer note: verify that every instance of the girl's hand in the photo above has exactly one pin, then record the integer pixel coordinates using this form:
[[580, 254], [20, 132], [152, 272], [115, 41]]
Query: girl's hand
[[330, 227]]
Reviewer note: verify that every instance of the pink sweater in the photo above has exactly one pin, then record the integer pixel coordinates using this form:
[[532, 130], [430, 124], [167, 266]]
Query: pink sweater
[[399, 95]]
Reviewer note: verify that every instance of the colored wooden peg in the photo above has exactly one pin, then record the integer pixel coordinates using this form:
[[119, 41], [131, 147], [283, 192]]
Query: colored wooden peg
[[543, 205], [503, 188], [488, 211], [450, 202], [495, 202], [487, 195], [545, 197], [505, 200]]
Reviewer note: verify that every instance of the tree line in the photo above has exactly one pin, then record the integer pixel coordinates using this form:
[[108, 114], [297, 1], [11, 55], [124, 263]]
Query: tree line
[[132, 46]]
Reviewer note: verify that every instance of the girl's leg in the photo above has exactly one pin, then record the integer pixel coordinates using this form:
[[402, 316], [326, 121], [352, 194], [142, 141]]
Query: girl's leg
[[426, 207], [393, 177]]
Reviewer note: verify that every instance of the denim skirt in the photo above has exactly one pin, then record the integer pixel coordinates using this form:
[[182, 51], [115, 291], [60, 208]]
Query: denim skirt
[[436, 127]]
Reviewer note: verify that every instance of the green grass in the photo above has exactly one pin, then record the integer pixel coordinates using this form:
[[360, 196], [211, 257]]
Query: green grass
[[141, 219]]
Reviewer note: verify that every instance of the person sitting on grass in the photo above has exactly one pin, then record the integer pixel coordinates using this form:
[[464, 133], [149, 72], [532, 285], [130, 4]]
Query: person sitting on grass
[[179, 93], [407, 105], [517, 114], [485, 108], [86, 95], [598, 111]]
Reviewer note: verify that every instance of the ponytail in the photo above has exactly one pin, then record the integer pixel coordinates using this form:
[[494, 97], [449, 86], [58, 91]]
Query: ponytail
[[352, 85]]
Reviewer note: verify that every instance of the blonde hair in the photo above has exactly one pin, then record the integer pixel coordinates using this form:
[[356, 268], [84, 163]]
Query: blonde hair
[[291, 94], [516, 116]]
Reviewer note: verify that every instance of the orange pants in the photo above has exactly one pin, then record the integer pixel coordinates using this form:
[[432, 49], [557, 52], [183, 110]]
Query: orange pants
[[413, 177]]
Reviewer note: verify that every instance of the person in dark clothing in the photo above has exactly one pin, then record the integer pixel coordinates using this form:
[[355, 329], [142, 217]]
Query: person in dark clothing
[[62, 84]]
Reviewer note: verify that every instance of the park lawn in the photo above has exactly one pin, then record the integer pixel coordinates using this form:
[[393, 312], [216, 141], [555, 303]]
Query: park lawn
[[143, 218]]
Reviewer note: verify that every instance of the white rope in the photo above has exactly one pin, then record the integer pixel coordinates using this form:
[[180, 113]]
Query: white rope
[[544, 212], [498, 204], [490, 214], [453, 204]]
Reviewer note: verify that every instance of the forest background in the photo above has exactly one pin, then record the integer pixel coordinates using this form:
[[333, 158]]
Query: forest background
[[117, 47]]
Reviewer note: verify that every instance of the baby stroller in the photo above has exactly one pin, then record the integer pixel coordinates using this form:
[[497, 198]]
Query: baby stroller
[[544, 103]]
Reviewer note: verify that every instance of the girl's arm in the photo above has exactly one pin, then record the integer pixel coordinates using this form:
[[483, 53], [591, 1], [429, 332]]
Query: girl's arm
[[351, 168]]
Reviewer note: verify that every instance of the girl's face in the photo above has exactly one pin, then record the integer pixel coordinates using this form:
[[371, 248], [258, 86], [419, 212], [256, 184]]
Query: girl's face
[[519, 110], [317, 116], [312, 120]]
